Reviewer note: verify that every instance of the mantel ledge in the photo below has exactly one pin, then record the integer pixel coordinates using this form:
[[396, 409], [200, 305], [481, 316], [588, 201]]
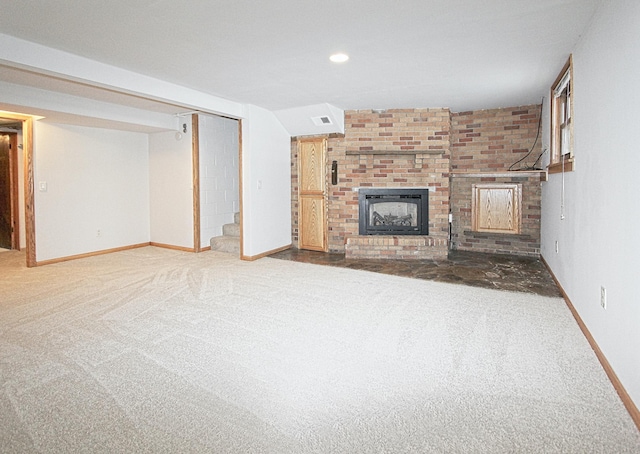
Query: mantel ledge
[[393, 152], [505, 174]]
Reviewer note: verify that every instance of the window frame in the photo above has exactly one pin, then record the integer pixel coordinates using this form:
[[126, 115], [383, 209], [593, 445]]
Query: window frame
[[562, 101]]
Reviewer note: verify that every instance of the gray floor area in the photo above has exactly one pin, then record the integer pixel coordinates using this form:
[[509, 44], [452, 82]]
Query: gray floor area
[[496, 271]]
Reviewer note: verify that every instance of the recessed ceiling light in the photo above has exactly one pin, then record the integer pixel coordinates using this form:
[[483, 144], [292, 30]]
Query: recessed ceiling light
[[339, 58]]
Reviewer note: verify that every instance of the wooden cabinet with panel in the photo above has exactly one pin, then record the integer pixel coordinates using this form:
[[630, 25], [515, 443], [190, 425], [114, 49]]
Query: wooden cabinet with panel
[[312, 194], [496, 208]]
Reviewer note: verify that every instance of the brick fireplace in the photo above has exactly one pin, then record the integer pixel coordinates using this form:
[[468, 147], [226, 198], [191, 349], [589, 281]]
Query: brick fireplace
[[400, 148], [412, 148]]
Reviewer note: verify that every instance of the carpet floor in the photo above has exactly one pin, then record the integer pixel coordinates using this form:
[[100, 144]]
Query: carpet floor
[[153, 350]]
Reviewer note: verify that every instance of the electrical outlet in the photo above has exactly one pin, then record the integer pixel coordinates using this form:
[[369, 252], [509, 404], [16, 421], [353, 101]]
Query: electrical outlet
[[98, 232], [603, 297]]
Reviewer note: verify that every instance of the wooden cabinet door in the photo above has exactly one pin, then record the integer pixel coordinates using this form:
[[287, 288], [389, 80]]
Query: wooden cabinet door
[[312, 194], [496, 208]]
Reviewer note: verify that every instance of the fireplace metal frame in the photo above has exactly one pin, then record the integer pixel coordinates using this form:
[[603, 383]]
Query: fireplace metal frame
[[366, 195]]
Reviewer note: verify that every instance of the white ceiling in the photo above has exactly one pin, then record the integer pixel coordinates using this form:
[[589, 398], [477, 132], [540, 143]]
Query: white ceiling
[[462, 54]]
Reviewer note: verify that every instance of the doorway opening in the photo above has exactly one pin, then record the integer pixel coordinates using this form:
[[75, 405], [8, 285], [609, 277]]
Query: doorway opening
[[16, 178], [9, 197], [217, 158]]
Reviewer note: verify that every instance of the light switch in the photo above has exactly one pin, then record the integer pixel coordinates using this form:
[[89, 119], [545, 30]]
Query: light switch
[[42, 186]]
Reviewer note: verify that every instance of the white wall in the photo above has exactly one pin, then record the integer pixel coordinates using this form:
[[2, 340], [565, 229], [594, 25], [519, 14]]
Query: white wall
[[597, 238], [171, 188], [266, 182], [219, 174], [96, 179]]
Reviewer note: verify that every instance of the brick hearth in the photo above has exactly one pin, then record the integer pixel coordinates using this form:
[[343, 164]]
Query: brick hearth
[[396, 247]]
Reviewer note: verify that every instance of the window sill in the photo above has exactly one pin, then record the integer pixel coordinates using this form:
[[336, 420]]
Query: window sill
[[557, 167]]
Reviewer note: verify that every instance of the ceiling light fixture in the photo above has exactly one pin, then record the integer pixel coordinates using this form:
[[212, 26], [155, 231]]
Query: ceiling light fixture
[[339, 58]]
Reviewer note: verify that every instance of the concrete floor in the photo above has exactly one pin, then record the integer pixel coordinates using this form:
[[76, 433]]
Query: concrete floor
[[503, 272]]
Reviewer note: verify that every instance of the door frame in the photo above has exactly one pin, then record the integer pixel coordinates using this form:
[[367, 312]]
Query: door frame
[[14, 194], [195, 169], [29, 195], [195, 177]]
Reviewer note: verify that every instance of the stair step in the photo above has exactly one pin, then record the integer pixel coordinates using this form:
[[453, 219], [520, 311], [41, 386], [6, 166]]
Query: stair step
[[225, 243], [231, 230]]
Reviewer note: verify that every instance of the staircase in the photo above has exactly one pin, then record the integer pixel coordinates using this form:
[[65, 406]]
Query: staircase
[[230, 239]]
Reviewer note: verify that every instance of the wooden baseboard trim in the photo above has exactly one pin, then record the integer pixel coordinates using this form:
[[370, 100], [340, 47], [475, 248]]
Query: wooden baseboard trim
[[171, 246], [615, 381], [206, 248], [91, 254], [251, 258]]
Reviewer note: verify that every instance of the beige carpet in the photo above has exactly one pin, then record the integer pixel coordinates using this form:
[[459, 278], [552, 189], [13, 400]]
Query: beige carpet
[[153, 350]]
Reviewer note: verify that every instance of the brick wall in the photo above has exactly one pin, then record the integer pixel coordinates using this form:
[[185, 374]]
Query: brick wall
[[294, 193], [526, 243], [484, 141], [489, 142], [493, 140]]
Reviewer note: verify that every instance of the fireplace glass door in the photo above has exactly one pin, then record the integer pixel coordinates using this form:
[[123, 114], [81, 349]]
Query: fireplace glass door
[[393, 212]]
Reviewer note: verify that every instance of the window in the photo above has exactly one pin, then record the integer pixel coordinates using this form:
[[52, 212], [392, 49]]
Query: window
[[562, 121]]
